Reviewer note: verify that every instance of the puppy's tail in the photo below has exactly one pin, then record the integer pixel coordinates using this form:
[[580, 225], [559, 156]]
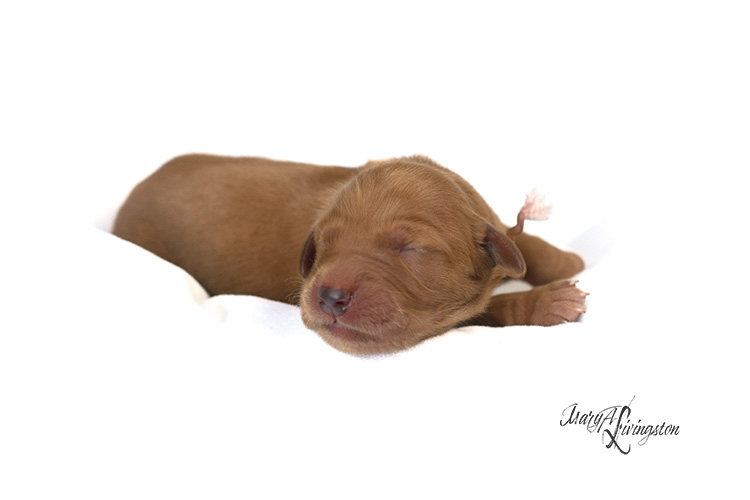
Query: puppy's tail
[[535, 208]]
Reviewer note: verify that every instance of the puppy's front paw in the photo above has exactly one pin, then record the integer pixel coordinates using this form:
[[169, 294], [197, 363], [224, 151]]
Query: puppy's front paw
[[557, 302]]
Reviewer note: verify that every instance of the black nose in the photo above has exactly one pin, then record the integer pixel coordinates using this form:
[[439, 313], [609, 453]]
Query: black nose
[[334, 301]]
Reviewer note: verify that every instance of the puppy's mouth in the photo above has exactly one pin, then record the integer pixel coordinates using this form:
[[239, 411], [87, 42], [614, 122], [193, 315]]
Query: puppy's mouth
[[339, 331]]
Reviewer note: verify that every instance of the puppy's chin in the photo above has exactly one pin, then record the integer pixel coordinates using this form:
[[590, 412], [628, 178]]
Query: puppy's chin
[[347, 337], [349, 340]]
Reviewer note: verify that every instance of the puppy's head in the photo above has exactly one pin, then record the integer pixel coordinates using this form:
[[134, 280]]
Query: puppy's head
[[401, 255]]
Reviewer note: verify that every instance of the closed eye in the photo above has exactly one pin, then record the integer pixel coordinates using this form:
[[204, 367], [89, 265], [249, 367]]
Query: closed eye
[[415, 249], [405, 243]]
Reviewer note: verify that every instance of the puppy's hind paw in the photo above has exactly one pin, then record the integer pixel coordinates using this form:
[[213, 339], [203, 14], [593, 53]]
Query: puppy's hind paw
[[557, 302]]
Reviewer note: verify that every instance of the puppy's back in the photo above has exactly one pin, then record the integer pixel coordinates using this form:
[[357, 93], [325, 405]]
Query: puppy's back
[[203, 212]]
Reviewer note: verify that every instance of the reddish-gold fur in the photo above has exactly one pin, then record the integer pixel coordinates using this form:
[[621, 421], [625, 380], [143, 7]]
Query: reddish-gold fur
[[415, 248]]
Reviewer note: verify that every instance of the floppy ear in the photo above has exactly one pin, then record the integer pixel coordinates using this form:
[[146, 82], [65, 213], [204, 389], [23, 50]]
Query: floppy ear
[[308, 256], [504, 253]]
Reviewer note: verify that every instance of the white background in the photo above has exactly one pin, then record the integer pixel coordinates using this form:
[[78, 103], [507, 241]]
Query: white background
[[634, 116]]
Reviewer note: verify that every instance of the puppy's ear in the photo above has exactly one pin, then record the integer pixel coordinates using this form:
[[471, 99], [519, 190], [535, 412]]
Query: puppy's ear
[[504, 253], [308, 256]]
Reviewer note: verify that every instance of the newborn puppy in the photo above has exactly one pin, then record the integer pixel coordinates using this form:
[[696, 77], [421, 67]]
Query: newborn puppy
[[378, 257]]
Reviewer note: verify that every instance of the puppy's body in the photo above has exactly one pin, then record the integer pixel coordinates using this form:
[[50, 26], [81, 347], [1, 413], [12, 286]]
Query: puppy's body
[[235, 224], [392, 252]]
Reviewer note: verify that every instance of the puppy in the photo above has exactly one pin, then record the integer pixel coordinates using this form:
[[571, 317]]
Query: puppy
[[378, 257]]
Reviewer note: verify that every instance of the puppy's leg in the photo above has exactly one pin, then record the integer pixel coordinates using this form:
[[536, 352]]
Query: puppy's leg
[[546, 263], [552, 304]]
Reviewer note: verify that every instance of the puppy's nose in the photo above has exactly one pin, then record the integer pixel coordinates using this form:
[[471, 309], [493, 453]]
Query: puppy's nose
[[334, 301]]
